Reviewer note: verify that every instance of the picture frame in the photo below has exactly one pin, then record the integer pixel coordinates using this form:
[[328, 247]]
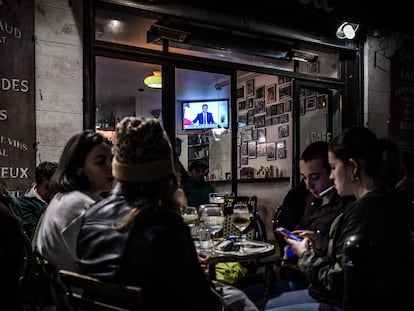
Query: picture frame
[[288, 105], [242, 104], [260, 106], [250, 102], [242, 118], [244, 161], [271, 93], [247, 134], [281, 149], [283, 131], [285, 91], [271, 151], [254, 134], [284, 118], [281, 153], [250, 87], [259, 121], [244, 150], [240, 92], [260, 92], [261, 150], [310, 103], [261, 135], [251, 146]]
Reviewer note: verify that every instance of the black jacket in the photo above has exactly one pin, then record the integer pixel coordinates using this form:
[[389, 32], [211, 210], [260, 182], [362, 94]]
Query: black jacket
[[381, 218], [158, 254]]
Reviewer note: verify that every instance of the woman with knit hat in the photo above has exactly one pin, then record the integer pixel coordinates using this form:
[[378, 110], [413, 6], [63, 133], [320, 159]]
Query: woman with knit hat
[[137, 236]]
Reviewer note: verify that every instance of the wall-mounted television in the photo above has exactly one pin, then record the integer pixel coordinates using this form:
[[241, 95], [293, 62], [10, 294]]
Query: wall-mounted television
[[216, 114]]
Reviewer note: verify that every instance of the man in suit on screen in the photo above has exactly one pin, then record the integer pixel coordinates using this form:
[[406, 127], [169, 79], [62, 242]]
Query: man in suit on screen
[[204, 117]]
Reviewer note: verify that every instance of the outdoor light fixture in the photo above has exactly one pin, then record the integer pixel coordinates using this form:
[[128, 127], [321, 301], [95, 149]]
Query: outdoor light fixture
[[154, 81], [347, 30]]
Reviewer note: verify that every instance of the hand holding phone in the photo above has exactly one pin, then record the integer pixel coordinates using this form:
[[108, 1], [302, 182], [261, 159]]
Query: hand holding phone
[[286, 233]]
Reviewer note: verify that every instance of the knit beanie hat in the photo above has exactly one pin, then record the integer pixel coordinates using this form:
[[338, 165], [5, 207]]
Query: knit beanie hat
[[142, 151]]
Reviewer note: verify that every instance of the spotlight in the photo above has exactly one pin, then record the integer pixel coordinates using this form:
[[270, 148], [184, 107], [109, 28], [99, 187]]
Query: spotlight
[[347, 30]]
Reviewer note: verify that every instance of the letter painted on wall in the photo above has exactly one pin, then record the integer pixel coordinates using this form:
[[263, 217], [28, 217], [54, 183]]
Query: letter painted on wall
[[402, 96], [17, 101]]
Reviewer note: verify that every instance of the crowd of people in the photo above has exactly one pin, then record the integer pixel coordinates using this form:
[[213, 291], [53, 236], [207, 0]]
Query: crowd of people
[[113, 212]]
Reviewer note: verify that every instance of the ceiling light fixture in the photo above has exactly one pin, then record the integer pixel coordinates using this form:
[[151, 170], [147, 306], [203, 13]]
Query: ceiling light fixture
[[154, 81], [347, 30]]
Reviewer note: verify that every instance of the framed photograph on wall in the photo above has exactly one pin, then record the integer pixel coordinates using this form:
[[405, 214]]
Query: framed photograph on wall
[[310, 103], [281, 149], [285, 91], [281, 153], [271, 151], [242, 105], [261, 150], [240, 92], [244, 151], [259, 121], [260, 92], [283, 131], [270, 93], [250, 102], [244, 161], [261, 135], [254, 134], [252, 149], [250, 87]]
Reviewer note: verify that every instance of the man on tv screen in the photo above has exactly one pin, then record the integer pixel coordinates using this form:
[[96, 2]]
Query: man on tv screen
[[204, 117]]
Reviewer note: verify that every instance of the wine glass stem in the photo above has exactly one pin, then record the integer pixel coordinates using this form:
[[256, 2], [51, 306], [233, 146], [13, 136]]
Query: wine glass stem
[[241, 242], [212, 243]]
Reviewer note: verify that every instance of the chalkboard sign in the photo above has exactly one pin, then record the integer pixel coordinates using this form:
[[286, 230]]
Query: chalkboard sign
[[17, 110]]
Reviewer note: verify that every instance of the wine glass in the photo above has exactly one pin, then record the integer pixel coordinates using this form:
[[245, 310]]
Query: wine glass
[[213, 219], [241, 220], [190, 216]]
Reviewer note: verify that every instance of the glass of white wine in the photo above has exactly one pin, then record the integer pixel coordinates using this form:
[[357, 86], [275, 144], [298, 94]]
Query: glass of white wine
[[190, 216], [241, 220], [213, 218]]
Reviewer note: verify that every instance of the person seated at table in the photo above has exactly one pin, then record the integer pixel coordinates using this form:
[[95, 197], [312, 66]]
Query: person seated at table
[[365, 167], [30, 206], [317, 216], [196, 188], [136, 235]]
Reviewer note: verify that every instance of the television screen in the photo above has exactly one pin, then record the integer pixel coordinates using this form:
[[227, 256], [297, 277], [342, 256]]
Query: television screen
[[205, 114]]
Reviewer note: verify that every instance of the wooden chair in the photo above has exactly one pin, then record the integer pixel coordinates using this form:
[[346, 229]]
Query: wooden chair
[[88, 293]]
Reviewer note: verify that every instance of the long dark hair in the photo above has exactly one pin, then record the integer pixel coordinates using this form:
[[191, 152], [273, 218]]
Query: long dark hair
[[146, 198], [378, 158], [68, 175]]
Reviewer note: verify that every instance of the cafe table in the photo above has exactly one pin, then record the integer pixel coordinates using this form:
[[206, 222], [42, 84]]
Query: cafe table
[[252, 250]]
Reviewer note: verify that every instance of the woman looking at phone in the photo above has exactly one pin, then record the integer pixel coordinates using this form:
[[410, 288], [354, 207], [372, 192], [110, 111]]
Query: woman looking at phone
[[367, 168]]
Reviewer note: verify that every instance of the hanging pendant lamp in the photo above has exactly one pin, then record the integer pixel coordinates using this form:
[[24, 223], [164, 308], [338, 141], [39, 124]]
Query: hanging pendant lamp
[[154, 81]]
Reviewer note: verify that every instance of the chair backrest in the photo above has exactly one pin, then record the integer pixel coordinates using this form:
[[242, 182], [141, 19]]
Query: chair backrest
[[257, 228], [88, 293]]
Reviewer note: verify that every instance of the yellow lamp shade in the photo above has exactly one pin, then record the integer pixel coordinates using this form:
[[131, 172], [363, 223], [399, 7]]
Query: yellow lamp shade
[[154, 81]]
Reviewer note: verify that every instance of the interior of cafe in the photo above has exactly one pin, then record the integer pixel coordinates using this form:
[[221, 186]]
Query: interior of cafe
[[268, 102]]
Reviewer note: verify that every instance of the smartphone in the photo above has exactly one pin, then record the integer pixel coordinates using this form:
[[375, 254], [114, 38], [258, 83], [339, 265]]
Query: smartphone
[[285, 232]]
